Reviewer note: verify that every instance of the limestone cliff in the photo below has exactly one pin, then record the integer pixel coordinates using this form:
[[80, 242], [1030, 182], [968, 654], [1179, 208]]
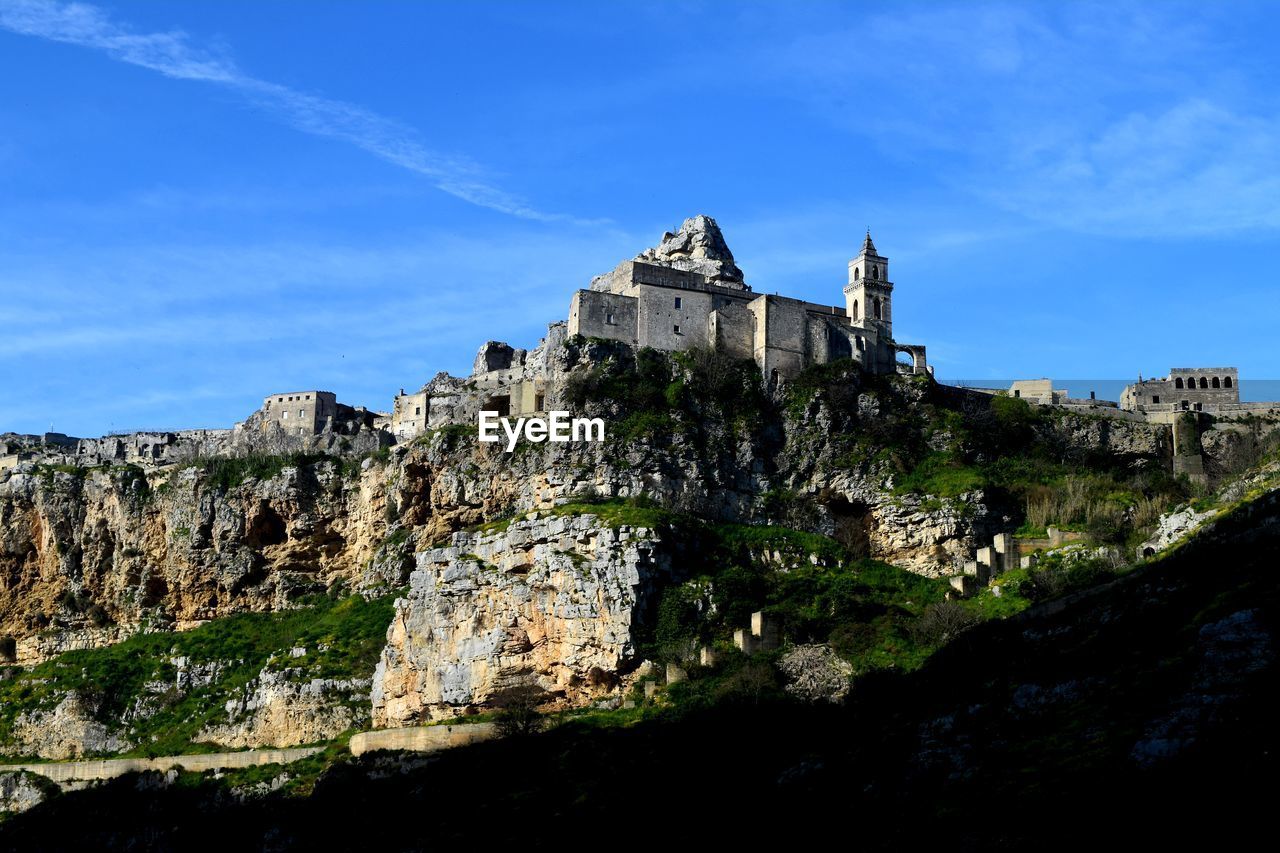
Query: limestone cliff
[[549, 603], [89, 556]]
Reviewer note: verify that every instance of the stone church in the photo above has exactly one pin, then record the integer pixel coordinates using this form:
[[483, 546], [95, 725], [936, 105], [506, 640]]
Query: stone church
[[688, 292]]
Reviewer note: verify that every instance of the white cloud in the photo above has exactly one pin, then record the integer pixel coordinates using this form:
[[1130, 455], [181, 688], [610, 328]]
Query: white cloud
[[172, 55], [1120, 120]]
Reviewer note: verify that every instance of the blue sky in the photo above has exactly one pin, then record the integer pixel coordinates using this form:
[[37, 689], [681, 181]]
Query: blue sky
[[203, 203]]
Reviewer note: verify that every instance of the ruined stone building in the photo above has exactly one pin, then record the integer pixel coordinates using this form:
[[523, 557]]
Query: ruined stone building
[[688, 292], [1187, 389], [300, 412]]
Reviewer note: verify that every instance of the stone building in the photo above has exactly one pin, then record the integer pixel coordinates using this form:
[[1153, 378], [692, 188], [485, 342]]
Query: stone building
[[688, 292], [409, 415], [300, 412], [1194, 389]]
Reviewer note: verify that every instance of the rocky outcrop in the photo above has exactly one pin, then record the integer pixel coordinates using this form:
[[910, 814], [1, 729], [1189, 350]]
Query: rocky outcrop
[[278, 709], [1172, 527], [90, 556], [21, 790], [550, 603], [815, 673], [699, 247], [67, 731], [1121, 440]]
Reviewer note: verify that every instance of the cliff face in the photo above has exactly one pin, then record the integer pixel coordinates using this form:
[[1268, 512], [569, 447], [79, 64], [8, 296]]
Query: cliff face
[[549, 603], [89, 556]]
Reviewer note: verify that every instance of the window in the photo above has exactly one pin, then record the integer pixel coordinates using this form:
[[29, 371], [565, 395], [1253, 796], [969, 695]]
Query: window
[[308, 396], [875, 272], [677, 302], [1226, 383], [676, 329], [281, 400], [879, 311], [1177, 383], [857, 274], [417, 410], [539, 402], [302, 413], [285, 416], [1216, 382], [1017, 392], [1155, 398], [855, 310], [1204, 383], [608, 320]]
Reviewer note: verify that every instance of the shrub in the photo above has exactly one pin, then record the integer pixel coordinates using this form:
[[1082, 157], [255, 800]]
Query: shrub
[[942, 622], [518, 714]]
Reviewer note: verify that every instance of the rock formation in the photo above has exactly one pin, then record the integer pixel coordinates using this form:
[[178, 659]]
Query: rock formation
[[697, 247], [549, 604]]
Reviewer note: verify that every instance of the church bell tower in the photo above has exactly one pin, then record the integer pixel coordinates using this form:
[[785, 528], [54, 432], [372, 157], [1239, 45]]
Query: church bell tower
[[869, 294]]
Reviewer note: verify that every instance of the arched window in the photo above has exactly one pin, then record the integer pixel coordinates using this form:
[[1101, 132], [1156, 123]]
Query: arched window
[[1226, 383], [875, 271], [1177, 383], [879, 313], [856, 315], [1204, 383], [1216, 383], [856, 273], [862, 345]]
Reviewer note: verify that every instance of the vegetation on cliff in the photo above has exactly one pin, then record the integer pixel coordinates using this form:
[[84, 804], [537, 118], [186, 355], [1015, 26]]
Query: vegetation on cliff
[[164, 688]]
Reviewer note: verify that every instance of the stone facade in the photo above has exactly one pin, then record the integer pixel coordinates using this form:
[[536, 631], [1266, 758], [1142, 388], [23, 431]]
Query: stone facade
[[1194, 389], [300, 412], [409, 415], [688, 293]]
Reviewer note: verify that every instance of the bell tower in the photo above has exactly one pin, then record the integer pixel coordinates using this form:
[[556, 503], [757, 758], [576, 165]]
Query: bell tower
[[868, 296]]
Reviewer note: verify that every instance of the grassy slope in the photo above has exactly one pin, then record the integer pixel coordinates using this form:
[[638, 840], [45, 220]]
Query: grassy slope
[[343, 638]]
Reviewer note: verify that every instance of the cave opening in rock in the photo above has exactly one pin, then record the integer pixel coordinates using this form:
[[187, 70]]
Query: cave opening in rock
[[266, 527], [853, 524]]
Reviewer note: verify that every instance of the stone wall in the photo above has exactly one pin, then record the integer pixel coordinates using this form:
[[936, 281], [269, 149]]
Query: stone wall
[[422, 738], [110, 768], [611, 316]]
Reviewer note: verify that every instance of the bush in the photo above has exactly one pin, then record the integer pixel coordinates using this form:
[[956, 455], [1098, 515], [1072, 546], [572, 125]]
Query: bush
[[942, 622], [518, 714]]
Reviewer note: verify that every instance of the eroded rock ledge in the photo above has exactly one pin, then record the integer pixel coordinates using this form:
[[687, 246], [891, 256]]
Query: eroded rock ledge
[[549, 603]]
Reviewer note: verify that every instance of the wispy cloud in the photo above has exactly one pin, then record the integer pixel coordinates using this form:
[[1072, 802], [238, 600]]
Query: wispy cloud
[[1119, 120], [173, 55]]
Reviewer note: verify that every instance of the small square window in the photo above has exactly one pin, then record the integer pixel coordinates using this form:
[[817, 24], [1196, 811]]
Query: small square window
[[1155, 398], [308, 396], [676, 329]]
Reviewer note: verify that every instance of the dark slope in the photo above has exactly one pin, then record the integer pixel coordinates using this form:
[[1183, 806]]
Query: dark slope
[[1142, 711]]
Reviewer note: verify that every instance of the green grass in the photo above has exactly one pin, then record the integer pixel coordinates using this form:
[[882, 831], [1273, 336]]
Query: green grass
[[616, 512], [228, 472], [352, 632]]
